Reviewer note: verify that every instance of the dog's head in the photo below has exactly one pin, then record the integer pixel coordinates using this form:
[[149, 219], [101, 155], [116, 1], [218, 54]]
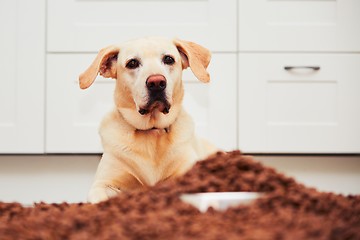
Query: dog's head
[[148, 73]]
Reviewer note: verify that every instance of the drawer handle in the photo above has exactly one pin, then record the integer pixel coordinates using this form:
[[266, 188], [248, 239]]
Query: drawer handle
[[315, 68]]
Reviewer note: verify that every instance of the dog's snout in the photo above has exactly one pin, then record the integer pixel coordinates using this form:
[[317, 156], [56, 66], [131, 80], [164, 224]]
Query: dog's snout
[[156, 83]]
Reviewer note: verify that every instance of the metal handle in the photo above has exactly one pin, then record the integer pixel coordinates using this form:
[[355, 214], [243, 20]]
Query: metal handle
[[315, 68]]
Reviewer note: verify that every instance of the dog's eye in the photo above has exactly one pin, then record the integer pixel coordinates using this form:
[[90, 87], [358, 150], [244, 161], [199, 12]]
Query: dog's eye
[[168, 60], [132, 64]]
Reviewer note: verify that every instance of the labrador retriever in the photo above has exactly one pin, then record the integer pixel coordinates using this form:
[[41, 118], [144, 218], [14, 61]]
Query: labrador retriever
[[148, 137]]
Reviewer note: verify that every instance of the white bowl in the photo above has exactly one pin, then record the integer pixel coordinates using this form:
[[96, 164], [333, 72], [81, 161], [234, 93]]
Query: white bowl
[[220, 201]]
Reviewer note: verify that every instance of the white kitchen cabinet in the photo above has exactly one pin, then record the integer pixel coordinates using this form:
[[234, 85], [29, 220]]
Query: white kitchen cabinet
[[87, 26], [287, 25], [73, 115], [258, 107], [299, 110], [22, 66]]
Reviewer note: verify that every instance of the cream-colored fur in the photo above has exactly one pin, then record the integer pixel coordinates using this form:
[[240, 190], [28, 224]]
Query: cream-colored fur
[[143, 149]]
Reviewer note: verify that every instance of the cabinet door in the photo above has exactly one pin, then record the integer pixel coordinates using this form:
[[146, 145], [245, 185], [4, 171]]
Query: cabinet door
[[213, 105], [288, 25], [87, 26], [299, 110], [73, 115], [22, 24]]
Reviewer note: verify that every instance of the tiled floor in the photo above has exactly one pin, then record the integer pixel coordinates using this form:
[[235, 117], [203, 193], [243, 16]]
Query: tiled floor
[[57, 178]]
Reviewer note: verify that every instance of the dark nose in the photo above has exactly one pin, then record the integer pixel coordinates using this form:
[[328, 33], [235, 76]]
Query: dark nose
[[156, 83]]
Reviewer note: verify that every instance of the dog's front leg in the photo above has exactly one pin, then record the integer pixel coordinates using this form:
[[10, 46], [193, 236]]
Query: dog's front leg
[[110, 179]]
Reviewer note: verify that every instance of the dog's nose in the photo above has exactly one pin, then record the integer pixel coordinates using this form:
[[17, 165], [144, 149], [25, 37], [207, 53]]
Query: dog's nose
[[156, 82]]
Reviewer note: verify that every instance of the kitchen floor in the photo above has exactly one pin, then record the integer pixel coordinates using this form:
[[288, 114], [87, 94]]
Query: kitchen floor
[[340, 174], [58, 178]]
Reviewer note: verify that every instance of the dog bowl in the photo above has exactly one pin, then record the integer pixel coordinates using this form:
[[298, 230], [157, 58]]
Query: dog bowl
[[220, 201]]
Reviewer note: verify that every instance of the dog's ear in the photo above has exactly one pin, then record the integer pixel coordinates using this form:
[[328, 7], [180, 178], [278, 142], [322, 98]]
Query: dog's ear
[[104, 63], [196, 57]]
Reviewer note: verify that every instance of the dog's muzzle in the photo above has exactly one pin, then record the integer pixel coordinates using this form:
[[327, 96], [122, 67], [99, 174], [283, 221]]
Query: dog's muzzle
[[156, 85]]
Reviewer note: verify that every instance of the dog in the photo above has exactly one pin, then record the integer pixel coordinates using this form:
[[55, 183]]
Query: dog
[[148, 137]]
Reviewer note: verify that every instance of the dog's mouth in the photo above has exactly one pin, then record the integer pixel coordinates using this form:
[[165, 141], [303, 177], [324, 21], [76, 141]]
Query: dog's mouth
[[156, 103]]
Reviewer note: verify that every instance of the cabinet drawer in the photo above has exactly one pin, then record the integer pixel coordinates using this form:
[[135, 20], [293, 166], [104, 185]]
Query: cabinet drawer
[[287, 25], [87, 26], [74, 115], [299, 110]]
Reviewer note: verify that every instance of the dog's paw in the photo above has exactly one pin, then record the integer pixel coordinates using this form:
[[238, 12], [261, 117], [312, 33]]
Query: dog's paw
[[97, 195]]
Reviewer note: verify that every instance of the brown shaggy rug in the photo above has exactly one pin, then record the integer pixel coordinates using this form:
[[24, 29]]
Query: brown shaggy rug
[[288, 210]]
